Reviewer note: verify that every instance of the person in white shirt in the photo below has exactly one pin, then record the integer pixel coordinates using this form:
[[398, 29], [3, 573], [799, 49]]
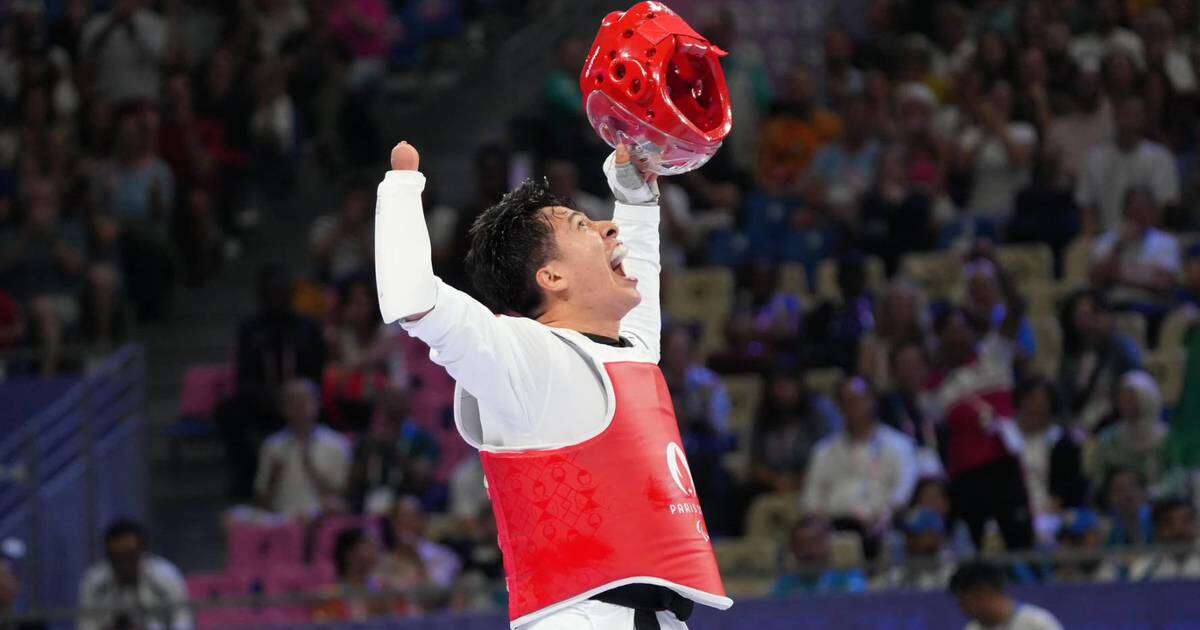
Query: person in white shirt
[[303, 468], [1138, 263], [867, 471], [998, 153], [127, 45], [1111, 169], [1175, 525], [570, 300], [131, 588], [979, 589]]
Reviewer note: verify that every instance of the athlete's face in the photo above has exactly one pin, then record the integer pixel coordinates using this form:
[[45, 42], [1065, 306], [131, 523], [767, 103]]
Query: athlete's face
[[588, 271]]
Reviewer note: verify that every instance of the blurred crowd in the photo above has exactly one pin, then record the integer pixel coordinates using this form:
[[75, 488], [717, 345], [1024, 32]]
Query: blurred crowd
[[883, 367], [140, 141]]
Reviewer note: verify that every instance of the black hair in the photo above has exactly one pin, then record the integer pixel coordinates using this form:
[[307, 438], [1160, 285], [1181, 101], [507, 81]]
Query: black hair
[[1072, 343], [1165, 507], [1110, 478], [510, 241], [976, 574], [346, 542], [124, 527]]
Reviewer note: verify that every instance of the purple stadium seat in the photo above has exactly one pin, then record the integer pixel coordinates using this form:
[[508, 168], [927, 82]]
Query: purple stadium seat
[[205, 386]]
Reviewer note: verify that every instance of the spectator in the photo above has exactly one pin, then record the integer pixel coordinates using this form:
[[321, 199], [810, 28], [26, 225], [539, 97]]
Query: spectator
[[302, 469], [357, 351], [1175, 526], [1107, 36], [793, 132], [862, 475], [274, 346], [344, 243], [1136, 262], [897, 214], [906, 407], [985, 303], [1124, 496], [127, 46], [138, 190], [1095, 355], [1135, 439], [749, 86], [131, 588], [809, 544], [834, 329], [356, 557], [843, 171], [791, 421], [11, 552], [364, 28], [396, 458], [973, 399], [43, 264], [702, 407], [997, 152], [901, 318], [475, 543], [927, 561], [1112, 169], [1087, 124], [1045, 210], [979, 589], [1051, 456], [1082, 533], [438, 565]]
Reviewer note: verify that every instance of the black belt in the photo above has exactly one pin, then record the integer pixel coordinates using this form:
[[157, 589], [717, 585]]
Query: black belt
[[645, 600]]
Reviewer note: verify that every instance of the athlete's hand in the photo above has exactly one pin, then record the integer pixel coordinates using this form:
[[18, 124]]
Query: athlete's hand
[[628, 182], [405, 157]]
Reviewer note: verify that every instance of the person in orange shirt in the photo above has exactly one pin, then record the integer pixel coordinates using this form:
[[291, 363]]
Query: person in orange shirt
[[794, 130]]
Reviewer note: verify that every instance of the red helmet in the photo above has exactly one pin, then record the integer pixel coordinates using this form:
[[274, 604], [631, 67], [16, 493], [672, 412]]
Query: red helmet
[[655, 84]]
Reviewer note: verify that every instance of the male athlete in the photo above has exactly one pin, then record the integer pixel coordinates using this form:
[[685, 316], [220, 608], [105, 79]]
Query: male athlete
[[595, 507]]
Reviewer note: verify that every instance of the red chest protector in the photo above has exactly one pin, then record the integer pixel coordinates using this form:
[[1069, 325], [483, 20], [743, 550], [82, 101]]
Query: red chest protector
[[619, 508]]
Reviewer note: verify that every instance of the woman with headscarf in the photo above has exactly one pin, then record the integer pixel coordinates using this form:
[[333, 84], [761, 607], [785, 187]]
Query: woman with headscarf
[[1135, 440]]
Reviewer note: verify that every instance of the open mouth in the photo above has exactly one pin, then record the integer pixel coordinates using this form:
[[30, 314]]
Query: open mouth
[[616, 260]]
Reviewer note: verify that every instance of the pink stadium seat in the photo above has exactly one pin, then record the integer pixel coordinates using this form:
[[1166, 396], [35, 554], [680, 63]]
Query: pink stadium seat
[[204, 386], [292, 579], [246, 544], [205, 587], [253, 545]]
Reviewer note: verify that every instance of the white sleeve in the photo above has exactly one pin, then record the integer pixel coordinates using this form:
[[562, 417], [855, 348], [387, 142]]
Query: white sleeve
[[815, 484], [403, 257], [1165, 178], [88, 599], [639, 232], [171, 581], [499, 360], [906, 478]]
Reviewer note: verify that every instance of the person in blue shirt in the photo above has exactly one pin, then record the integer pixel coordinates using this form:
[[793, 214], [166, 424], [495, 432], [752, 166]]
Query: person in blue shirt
[[811, 575], [1124, 495]]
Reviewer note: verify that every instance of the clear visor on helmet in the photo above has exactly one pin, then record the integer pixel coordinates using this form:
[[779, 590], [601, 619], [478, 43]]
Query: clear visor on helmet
[[662, 152]]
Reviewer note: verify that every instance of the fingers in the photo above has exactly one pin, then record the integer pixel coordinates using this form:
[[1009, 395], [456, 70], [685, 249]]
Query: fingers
[[405, 157]]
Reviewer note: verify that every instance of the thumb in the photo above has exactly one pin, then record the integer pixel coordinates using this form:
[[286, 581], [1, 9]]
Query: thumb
[[622, 154]]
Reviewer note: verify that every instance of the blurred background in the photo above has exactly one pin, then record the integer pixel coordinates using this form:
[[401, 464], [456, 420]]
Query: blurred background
[[934, 298]]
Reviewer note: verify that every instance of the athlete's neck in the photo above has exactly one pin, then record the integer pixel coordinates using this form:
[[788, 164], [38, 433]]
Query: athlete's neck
[[559, 317]]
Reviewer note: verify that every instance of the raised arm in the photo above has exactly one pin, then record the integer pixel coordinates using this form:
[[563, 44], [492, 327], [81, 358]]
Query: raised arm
[[498, 360], [637, 215]]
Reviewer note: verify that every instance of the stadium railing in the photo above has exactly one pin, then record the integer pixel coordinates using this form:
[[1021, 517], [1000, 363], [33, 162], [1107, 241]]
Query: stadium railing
[[68, 471]]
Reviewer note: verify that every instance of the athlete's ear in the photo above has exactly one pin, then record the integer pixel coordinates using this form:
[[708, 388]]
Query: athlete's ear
[[549, 279]]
